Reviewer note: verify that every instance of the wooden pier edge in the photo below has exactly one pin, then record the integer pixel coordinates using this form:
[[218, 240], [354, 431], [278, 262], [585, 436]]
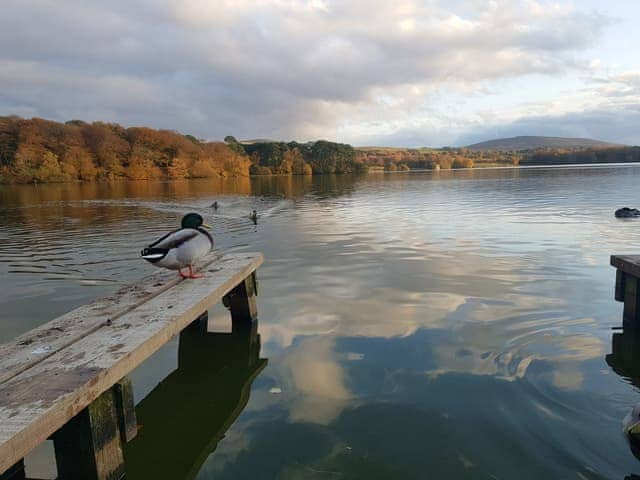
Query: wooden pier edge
[[83, 376]]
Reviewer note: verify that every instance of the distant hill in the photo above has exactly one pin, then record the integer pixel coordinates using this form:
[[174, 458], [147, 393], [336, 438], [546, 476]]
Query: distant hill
[[533, 143]]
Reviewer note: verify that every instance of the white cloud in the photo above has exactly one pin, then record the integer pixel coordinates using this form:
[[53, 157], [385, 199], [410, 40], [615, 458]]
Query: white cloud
[[289, 69]]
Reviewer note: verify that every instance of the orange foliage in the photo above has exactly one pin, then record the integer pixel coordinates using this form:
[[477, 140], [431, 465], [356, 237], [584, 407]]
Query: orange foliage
[[38, 150]]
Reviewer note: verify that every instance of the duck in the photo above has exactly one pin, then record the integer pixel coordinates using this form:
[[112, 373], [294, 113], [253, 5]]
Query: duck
[[626, 212], [253, 216], [214, 205], [180, 248]]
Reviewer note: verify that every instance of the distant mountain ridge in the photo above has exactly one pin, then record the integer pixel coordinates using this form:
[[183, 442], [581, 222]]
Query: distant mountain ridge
[[536, 142]]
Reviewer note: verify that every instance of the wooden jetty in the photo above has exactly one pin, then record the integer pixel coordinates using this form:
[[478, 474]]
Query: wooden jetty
[[67, 380], [628, 287]]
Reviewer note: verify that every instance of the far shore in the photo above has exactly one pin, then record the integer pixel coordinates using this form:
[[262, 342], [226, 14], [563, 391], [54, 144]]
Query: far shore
[[371, 171]]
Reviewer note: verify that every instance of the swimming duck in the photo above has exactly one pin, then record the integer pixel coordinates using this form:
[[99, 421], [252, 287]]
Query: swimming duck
[[180, 248], [214, 205], [253, 216], [626, 212]]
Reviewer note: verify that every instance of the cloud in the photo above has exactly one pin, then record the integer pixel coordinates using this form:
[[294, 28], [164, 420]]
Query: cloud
[[287, 69]]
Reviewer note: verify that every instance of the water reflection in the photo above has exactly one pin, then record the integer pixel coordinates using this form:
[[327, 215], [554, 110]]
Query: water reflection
[[187, 414], [449, 324], [624, 359]]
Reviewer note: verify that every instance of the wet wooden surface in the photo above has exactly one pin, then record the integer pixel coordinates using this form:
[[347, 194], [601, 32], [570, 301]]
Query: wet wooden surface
[[43, 396]]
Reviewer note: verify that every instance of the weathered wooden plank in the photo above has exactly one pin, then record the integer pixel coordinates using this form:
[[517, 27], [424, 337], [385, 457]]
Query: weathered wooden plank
[[45, 340], [41, 399], [629, 264]]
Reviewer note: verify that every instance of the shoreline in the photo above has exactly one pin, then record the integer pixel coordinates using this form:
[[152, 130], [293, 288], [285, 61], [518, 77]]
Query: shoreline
[[370, 172]]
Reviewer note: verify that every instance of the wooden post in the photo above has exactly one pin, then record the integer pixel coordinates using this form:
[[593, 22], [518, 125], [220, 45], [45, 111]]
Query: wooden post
[[14, 473], [89, 446], [241, 301], [620, 281], [631, 302], [127, 422], [200, 324], [628, 287]]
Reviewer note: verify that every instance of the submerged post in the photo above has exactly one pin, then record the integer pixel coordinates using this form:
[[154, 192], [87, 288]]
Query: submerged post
[[89, 445], [628, 287]]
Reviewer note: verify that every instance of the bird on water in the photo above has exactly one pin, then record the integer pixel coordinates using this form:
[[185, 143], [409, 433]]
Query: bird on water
[[180, 248], [253, 216]]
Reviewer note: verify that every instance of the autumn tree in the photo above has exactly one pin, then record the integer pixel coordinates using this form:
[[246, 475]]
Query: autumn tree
[[178, 168]]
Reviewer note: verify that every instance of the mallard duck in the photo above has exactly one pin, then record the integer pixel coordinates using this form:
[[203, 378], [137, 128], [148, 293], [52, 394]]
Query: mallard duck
[[180, 248], [253, 216]]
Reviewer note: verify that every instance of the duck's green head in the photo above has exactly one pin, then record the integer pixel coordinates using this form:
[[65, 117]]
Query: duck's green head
[[193, 220]]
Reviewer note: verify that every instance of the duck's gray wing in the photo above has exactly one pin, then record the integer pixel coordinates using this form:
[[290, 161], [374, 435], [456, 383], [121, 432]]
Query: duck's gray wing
[[174, 239]]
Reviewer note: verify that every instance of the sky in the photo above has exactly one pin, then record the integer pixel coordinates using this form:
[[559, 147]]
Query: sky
[[398, 73]]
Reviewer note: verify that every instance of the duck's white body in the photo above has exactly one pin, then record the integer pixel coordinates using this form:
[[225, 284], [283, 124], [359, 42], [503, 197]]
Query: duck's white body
[[179, 249]]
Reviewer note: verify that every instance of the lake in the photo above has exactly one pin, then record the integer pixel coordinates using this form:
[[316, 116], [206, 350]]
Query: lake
[[448, 324]]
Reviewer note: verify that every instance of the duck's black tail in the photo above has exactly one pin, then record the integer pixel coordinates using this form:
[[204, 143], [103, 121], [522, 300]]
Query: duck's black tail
[[152, 255]]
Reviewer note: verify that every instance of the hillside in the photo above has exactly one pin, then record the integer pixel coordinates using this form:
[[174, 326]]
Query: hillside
[[535, 143]]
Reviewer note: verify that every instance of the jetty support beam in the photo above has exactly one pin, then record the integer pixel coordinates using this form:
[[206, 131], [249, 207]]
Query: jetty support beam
[[89, 445], [127, 421], [628, 287], [241, 302]]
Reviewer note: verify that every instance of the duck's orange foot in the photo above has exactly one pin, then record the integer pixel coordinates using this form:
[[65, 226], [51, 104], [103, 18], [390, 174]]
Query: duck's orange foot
[[190, 274]]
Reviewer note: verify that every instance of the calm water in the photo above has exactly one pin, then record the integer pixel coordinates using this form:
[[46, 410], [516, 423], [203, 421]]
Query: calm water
[[450, 325]]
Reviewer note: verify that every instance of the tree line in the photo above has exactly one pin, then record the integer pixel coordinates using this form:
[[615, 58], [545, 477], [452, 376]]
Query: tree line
[[399, 159], [319, 157], [588, 155], [38, 150]]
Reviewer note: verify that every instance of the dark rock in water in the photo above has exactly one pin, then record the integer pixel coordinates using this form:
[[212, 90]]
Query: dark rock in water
[[626, 212]]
